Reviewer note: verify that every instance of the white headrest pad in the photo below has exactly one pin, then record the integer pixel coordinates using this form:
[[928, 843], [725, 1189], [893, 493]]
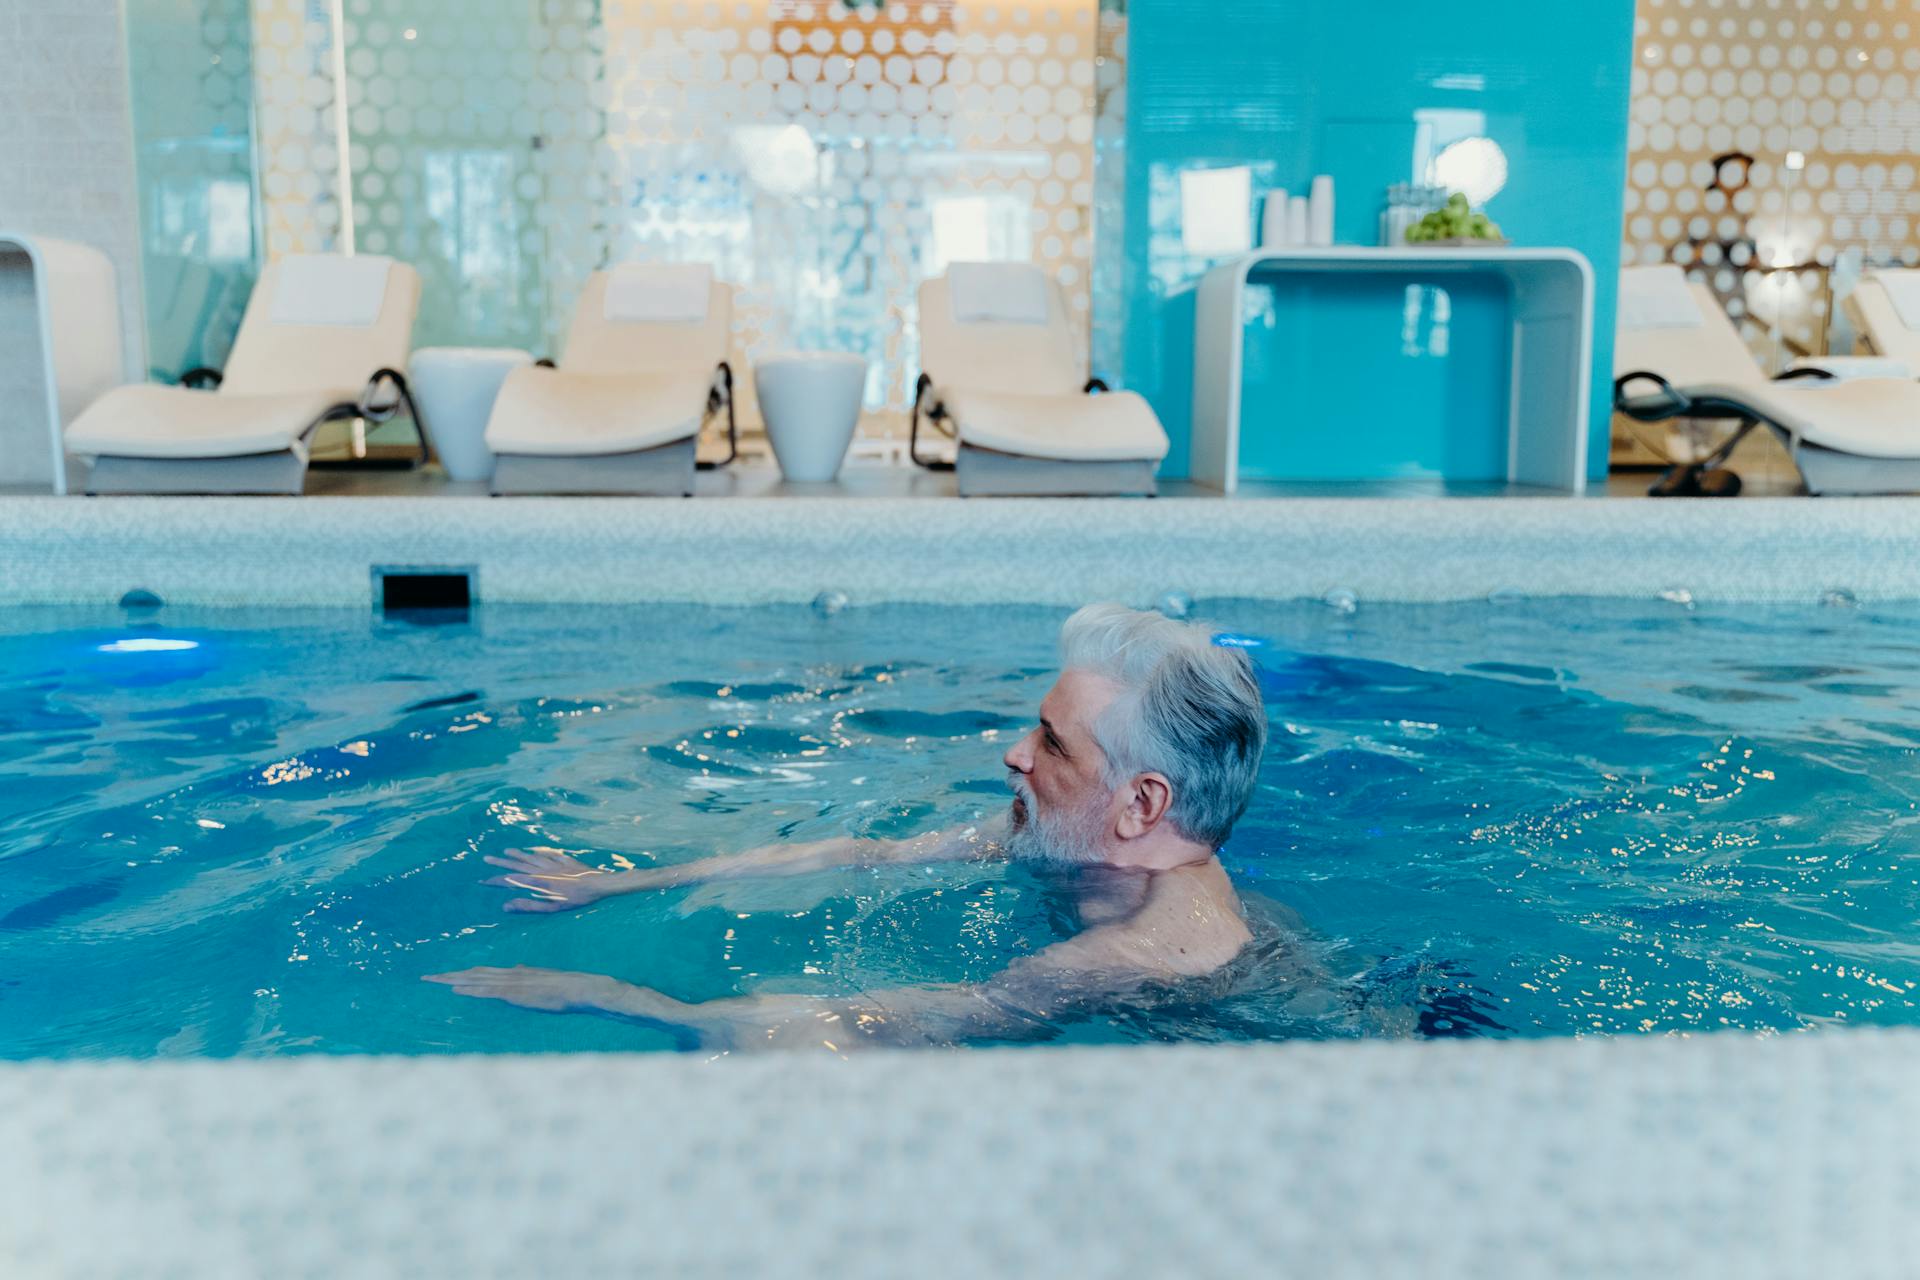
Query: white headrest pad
[[1903, 291], [659, 293], [997, 293], [1657, 298], [330, 289]]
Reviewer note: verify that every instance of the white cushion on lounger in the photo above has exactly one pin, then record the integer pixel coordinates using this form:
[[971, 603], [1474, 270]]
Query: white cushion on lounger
[[1024, 359], [1657, 298], [272, 357], [1117, 426], [553, 413], [998, 293], [1710, 350], [331, 289], [1871, 306], [153, 421], [658, 293], [1903, 290], [1872, 417]]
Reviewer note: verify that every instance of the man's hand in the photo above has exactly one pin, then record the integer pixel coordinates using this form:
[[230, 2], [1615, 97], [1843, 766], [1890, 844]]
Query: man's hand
[[563, 991], [557, 881], [552, 990]]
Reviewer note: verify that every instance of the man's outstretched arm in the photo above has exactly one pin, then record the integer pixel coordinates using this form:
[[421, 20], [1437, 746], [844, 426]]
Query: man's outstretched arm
[[560, 882]]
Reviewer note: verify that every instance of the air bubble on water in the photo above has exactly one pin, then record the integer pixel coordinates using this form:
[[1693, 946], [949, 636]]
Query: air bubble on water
[[1837, 598], [1341, 600], [828, 603], [1175, 604], [1678, 595]]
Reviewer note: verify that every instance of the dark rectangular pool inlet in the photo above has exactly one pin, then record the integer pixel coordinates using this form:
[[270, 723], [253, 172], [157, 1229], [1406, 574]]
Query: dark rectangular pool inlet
[[423, 589]]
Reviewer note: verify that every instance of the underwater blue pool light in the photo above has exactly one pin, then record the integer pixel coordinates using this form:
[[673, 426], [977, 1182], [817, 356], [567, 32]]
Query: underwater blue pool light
[[147, 644]]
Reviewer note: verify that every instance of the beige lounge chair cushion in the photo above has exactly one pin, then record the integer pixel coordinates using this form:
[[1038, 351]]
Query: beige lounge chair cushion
[[998, 355], [559, 414], [273, 357], [149, 420], [1871, 417], [1873, 308], [1116, 426]]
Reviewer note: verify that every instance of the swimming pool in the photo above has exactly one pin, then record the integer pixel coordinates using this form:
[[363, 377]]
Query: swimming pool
[[250, 833]]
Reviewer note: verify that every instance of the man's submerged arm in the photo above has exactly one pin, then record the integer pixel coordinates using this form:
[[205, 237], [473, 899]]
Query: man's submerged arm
[[1022, 999], [560, 881]]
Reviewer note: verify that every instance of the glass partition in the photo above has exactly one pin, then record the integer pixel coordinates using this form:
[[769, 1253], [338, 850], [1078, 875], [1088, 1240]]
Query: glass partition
[[193, 153], [824, 157]]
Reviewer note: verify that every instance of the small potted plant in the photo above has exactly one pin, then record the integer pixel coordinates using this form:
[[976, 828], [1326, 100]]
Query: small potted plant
[[1455, 223]]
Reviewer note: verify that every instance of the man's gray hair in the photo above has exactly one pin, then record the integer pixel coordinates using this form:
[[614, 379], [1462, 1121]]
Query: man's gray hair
[[1188, 709]]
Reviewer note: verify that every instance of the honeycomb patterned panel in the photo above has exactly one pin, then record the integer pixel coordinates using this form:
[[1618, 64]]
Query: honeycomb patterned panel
[[296, 123], [1771, 153]]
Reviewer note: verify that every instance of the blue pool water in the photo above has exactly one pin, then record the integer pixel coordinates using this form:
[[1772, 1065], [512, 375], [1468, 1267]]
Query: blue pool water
[[251, 833]]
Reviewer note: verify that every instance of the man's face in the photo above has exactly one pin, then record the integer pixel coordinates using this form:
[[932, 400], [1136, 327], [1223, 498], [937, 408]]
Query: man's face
[[1062, 807]]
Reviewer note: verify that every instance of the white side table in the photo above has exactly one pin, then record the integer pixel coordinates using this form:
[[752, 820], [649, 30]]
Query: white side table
[[455, 388], [811, 403]]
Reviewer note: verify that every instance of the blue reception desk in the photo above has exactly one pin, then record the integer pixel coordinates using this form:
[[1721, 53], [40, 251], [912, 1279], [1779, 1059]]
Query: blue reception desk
[[1460, 363]]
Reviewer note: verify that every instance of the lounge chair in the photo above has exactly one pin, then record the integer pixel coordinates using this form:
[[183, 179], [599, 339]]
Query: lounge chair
[[1005, 377], [1677, 355], [1885, 309], [644, 368], [323, 340]]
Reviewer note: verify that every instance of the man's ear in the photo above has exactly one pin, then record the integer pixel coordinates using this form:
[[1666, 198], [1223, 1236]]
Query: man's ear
[[1148, 798]]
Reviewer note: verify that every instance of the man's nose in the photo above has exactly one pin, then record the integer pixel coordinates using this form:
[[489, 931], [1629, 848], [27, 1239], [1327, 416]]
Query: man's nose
[[1020, 755]]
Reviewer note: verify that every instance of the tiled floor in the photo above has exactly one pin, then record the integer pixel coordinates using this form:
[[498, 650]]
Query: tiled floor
[[1760, 461]]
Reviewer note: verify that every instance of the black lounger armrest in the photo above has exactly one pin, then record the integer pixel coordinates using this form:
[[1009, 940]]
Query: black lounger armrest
[[719, 396], [1095, 384], [373, 407], [923, 391], [201, 378], [1806, 371], [1665, 401], [545, 362]]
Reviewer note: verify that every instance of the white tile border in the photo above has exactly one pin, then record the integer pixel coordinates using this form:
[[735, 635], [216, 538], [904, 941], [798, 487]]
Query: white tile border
[[316, 551], [1716, 1156]]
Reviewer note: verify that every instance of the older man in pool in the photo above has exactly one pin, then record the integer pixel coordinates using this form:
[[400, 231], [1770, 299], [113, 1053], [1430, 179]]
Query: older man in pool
[[1144, 756]]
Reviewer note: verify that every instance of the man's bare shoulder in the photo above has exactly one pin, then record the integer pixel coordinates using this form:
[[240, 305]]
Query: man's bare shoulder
[[1189, 924]]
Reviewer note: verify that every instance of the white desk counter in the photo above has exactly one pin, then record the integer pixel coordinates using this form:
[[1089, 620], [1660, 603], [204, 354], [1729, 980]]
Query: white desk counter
[[1551, 353]]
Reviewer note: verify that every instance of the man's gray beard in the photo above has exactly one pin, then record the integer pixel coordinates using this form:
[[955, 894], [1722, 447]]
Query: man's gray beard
[[1064, 839]]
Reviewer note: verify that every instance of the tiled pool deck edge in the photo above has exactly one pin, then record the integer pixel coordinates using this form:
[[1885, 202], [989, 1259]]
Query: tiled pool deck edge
[[1720, 1155], [317, 551]]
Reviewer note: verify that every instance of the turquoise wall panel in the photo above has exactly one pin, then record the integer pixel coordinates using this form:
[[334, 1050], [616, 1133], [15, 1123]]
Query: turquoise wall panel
[[1293, 88]]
